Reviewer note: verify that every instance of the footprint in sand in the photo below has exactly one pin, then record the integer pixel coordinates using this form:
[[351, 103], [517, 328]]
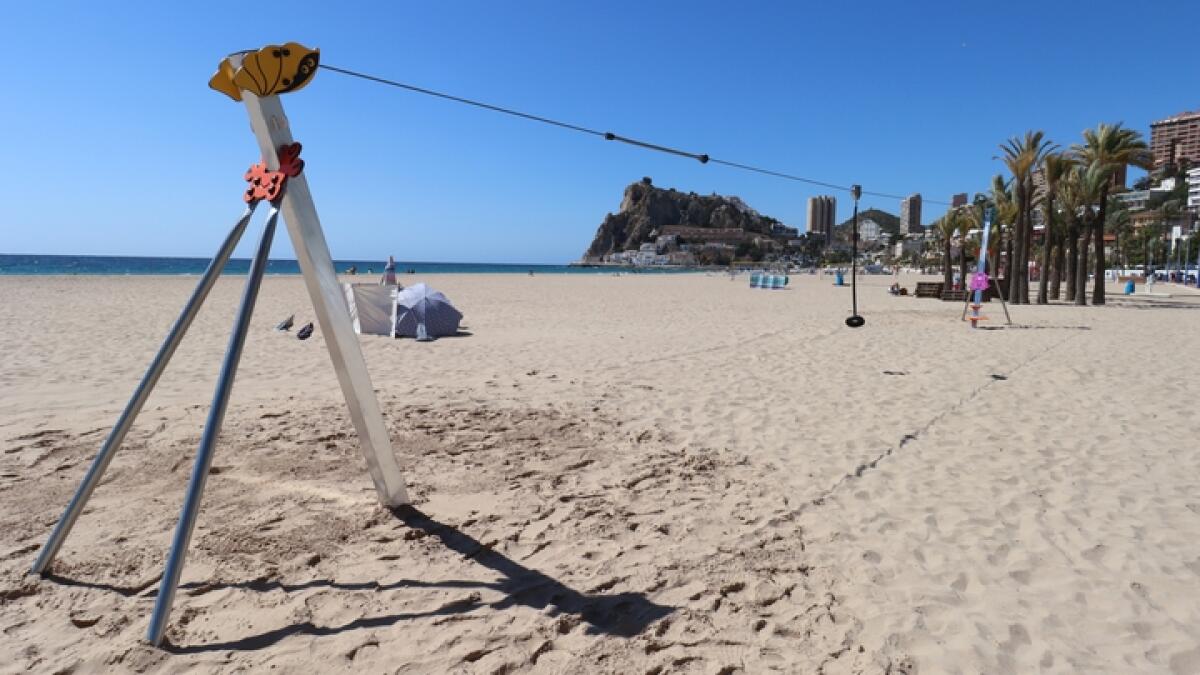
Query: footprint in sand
[[1096, 553]]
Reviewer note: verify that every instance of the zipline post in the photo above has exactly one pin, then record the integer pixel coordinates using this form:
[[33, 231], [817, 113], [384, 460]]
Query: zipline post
[[980, 280], [256, 78], [854, 320]]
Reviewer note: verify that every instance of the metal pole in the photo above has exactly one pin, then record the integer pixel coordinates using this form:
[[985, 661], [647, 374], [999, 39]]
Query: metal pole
[[1003, 303], [1187, 256], [854, 264], [125, 421], [981, 266], [212, 429], [854, 320]]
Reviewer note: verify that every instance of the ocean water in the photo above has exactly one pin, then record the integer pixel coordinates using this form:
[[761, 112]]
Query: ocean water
[[122, 265]]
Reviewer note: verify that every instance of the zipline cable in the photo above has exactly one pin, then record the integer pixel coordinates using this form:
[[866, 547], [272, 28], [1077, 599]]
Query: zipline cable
[[459, 99], [607, 135]]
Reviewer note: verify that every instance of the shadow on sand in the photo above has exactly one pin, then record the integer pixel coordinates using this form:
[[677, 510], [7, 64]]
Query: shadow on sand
[[622, 614], [1019, 326]]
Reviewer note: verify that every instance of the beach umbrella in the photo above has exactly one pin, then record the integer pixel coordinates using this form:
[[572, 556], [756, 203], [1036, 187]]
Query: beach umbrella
[[425, 314]]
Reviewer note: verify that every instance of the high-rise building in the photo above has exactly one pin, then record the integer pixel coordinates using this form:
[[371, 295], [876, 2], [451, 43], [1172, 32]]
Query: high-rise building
[[910, 214], [1176, 138], [959, 199], [822, 215]]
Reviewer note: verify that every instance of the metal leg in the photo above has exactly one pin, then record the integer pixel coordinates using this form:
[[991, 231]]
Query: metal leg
[[1000, 294], [212, 429], [125, 421]]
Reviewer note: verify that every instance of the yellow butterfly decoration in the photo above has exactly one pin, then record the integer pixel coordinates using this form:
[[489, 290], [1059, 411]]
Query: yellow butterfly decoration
[[274, 69]]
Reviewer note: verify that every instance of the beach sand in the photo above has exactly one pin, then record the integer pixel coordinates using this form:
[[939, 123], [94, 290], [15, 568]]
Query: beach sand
[[623, 474]]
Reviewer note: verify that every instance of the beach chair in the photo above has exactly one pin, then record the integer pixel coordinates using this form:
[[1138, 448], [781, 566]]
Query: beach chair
[[929, 289]]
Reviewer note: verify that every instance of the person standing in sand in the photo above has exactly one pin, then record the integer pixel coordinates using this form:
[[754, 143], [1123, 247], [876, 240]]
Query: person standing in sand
[[389, 273]]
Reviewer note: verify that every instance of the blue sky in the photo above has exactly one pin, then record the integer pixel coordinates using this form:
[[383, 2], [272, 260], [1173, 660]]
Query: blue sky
[[114, 145]]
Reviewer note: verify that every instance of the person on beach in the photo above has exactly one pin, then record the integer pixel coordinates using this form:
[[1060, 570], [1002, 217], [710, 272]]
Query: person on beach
[[389, 273]]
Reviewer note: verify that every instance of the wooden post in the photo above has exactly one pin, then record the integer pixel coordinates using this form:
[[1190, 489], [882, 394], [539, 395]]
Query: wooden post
[[271, 128]]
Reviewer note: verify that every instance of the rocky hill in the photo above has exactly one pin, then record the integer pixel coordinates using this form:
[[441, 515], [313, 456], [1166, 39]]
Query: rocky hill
[[646, 208]]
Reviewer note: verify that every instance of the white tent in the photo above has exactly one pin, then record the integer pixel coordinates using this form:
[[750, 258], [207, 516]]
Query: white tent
[[372, 308], [417, 311]]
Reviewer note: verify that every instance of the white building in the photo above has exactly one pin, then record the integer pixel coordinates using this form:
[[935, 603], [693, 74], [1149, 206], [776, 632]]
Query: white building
[[1138, 200], [1193, 180], [646, 254], [868, 230], [908, 245], [1135, 200]]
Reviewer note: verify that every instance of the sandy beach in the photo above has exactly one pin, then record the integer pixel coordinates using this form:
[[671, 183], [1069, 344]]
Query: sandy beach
[[618, 474]]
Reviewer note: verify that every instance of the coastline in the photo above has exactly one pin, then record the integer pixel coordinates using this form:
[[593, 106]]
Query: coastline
[[72, 265]]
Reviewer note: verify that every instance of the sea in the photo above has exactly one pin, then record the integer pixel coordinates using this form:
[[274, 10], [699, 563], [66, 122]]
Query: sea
[[101, 265]]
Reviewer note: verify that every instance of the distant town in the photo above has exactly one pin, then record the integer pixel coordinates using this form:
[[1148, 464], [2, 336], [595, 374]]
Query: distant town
[[1159, 211]]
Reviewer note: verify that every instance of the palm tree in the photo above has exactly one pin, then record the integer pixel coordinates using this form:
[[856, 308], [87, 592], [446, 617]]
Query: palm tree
[[1070, 197], [969, 217], [1151, 234], [1022, 156], [1006, 213], [1118, 222], [1091, 183], [1166, 213], [1111, 147], [1054, 167], [947, 226]]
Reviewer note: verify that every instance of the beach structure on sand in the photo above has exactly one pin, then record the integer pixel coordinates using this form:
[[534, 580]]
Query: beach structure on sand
[[981, 281], [765, 280], [372, 308], [424, 314], [255, 79], [417, 311]]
